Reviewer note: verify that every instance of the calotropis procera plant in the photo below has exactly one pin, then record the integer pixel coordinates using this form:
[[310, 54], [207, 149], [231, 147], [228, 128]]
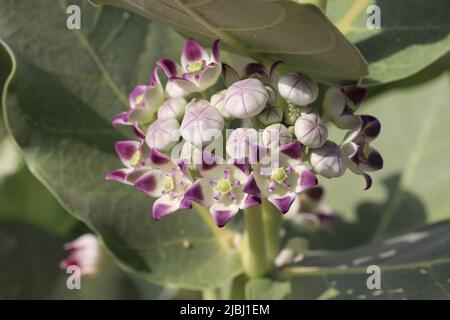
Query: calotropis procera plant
[[185, 153]]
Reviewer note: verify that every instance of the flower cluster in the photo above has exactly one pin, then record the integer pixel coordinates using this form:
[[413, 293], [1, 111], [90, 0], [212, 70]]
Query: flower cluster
[[185, 151]]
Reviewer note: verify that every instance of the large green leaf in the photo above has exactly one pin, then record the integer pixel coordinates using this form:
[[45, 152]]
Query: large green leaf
[[412, 36], [414, 265], [412, 188], [299, 34], [67, 86]]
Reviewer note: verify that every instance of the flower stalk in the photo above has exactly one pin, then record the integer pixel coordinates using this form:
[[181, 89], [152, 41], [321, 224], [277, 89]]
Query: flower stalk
[[254, 253], [272, 225]]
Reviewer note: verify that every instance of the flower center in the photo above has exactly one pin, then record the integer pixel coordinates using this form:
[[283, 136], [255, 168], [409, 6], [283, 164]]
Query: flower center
[[278, 175], [168, 183], [224, 186], [135, 159], [195, 66]]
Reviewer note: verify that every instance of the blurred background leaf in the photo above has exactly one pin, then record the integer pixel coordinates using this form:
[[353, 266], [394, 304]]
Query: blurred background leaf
[[413, 35]]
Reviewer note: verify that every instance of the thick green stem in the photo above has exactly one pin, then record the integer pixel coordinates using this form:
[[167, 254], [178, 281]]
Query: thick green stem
[[272, 224], [254, 256]]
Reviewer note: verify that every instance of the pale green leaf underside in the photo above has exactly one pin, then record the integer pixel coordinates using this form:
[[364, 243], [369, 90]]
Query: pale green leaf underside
[[298, 34], [413, 34], [67, 86], [415, 265]]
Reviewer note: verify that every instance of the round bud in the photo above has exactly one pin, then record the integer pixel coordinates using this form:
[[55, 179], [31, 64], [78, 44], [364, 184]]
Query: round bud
[[242, 143], [172, 108], [271, 116], [298, 89], [311, 131], [276, 135], [246, 98], [163, 134], [218, 101], [329, 160], [334, 103], [202, 123]]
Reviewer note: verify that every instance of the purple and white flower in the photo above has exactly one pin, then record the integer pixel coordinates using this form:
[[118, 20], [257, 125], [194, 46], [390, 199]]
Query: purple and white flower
[[361, 157], [134, 156], [144, 102], [221, 188], [283, 179], [198, 70], [168, 181]]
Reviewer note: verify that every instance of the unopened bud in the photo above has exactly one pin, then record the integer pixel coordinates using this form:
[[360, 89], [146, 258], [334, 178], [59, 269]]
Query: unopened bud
[[298, 89], [276, 135], [218, 102], [329, 160], [202, 123], [172, 108], [311, 131], [271, 116], [246, 98], [163, 133]]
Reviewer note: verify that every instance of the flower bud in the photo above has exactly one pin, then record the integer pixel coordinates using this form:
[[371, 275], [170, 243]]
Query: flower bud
[[172, 108], [335, 108], [328, 160], [271, 116], [202, 123], [84, 252], [163, 134], [243, 142], [311, 131], [276, 135], [246, 98], [218, 101], [191, 154], [298, 89]]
